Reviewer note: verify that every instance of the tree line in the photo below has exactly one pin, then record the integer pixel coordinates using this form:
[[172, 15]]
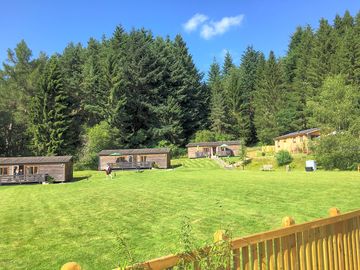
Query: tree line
[[142, 89], [264, 97], [137, 90]]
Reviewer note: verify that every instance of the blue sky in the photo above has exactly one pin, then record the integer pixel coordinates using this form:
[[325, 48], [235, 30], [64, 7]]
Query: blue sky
[[222, 25]]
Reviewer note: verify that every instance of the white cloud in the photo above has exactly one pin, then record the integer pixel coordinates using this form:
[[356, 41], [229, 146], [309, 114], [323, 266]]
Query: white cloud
[[193, 23], [215, 28]]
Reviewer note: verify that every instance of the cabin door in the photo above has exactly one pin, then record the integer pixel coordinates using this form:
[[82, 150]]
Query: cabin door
[[214, 151], [18, 170]]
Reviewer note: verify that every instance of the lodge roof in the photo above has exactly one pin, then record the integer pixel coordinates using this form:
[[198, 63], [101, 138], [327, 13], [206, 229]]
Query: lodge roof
[[298, 133], [213, 144], [121, 152], [34, 160]]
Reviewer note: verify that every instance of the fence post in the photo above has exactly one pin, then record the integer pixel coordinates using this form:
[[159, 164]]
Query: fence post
[[287, 221], [220, 235], [71, 266], [289, 260], [333, 212]]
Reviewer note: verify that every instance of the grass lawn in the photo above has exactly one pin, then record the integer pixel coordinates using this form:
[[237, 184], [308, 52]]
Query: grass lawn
[[44, 226]]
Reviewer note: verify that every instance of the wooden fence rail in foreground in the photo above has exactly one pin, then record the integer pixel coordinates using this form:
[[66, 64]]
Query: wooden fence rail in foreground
[[330, 243]]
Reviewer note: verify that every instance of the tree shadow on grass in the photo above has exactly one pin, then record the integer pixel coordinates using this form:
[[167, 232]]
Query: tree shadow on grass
[[80, 178], [174, 166]]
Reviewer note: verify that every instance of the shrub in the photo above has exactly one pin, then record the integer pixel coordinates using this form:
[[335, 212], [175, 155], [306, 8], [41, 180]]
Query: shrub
[[340, 151], [50, 179], [211, 136], [283, 157], [175, 150], [97, 138]]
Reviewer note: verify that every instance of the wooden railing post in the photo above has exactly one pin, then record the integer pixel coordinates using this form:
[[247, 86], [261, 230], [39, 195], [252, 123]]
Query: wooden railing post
[[287, 221], [71, 266], [288, 246], [334, 212], [220, 235]]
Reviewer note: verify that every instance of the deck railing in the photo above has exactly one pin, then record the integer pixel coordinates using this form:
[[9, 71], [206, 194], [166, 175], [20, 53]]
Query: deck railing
[[224, 153], [331, 243], [19, 179], [202, 154], [126, 165]]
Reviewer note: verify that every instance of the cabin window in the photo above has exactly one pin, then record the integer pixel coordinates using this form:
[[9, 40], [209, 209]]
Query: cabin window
[[294, 140], [31, 170], [120, 159], [206, 150], [142, 158], [4, 170]]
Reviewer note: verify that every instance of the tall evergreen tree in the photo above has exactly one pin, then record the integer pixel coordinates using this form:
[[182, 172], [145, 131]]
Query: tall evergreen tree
[[322, 61], [218, 114], [18, 77], [51, 115], [301, 82], [192, 94], [228, 64], [269, 100], [248, 71], [95, 92]]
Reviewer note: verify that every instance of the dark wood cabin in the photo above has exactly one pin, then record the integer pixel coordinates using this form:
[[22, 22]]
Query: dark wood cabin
[[35, 169], [145, 158], [210, 149]]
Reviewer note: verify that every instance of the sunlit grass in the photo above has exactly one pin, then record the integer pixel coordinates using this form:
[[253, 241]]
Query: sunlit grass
[[44, 226]]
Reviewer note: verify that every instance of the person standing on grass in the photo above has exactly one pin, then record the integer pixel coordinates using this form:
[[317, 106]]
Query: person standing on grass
[[108, 171]]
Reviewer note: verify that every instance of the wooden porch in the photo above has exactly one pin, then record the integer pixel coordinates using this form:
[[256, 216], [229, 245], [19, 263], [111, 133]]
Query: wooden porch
[[126, 165], [22, 179], [224, 153], [219, 153]]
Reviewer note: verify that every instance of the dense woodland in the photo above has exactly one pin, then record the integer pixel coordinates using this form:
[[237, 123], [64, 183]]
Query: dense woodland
[[137, 90]]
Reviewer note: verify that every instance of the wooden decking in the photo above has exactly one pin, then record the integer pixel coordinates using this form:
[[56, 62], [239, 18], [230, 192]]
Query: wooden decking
[[225, 153], [322, 244], [22, 179], [131, 165]]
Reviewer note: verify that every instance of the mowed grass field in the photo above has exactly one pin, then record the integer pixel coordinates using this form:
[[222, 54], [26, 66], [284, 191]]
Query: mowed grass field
[[44, 226]]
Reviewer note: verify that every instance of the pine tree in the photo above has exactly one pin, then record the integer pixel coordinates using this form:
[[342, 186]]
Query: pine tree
[[95, 93], [269, 100], [72, 61], [248, 71], [116, 113], [218, 114], [51, 116], [169, 126], [356, 79], [191, 94], [18, 77], [228, 64], [301, 82], [322, 61]]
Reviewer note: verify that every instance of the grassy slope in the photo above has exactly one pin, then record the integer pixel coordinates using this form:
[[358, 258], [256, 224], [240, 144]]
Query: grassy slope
[[44, 226], [257, 162]]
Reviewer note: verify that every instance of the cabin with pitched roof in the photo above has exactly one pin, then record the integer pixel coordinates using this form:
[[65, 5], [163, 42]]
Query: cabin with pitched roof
[[145, 158], [210, 149], [35, 169], [296, 142]]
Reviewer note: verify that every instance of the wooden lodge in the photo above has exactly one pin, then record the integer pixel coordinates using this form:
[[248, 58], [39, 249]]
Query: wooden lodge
[[296, 142], [127, 159], [35, 169], [210, 149]]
